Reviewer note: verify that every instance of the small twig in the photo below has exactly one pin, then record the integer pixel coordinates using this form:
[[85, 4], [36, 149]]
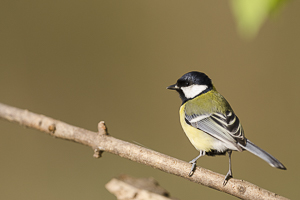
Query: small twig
[[102, 130], [102, 142]]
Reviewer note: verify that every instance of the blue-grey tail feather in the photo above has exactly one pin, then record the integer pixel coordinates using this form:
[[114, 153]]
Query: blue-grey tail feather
[[262, 154]]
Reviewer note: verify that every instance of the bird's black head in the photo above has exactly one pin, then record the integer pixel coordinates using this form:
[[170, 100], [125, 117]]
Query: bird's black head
[[192, 84]]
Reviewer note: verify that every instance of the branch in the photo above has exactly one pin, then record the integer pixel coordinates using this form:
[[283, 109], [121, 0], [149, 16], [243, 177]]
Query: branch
[[100, 141], [129, 188]]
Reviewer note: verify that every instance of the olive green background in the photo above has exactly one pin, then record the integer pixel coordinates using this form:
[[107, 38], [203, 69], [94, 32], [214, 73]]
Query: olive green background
[[86, 61]]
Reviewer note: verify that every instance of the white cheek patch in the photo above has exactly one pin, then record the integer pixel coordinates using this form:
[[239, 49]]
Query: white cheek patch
[[193, 90]]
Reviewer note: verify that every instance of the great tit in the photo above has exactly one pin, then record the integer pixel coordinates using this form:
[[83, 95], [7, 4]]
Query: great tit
[[210, 123]]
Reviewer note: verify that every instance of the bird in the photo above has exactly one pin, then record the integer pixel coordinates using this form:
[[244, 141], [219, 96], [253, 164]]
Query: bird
[[210, 123]]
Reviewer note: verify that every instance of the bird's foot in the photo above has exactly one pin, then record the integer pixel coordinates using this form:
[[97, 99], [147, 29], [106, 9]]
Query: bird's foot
[[193, 167], [227, 177]]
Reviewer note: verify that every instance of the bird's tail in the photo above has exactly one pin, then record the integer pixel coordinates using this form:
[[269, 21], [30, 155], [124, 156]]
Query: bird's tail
[[263, 155]]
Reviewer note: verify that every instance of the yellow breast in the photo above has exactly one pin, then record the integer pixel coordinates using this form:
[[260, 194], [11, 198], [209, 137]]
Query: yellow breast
[[200, 139]]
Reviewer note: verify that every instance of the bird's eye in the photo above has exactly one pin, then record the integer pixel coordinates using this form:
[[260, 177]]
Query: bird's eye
[[183, 83]]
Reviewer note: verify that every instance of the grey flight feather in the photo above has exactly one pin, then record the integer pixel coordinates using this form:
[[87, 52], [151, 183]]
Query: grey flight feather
[[262, 154]]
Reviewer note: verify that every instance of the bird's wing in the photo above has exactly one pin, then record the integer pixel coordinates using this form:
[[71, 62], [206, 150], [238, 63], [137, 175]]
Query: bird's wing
[[225, 127]]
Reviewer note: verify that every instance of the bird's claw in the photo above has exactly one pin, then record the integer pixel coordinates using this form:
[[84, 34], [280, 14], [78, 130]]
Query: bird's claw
[[193, 168], [227, 177]]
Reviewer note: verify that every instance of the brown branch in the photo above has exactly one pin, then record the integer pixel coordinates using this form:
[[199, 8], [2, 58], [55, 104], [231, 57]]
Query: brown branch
[[129, 188], [100, 141]]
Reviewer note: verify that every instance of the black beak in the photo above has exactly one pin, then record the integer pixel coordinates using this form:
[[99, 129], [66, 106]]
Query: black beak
[[173, 87]]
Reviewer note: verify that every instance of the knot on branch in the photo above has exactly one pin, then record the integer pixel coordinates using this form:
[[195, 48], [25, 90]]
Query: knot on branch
[[241, 189], [51, 128]]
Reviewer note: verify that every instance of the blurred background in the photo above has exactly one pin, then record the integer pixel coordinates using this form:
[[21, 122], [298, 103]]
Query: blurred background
[[86, 61]]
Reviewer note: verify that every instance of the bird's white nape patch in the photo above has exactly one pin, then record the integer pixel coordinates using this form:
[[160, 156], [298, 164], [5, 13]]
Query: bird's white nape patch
[[193, 90]]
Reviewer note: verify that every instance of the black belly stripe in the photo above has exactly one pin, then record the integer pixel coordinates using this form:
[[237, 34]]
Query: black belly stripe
[[214, 153]]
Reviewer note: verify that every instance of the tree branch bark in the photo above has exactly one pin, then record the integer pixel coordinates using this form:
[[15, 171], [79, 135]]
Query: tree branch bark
[[125, 187], [100, 141]]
